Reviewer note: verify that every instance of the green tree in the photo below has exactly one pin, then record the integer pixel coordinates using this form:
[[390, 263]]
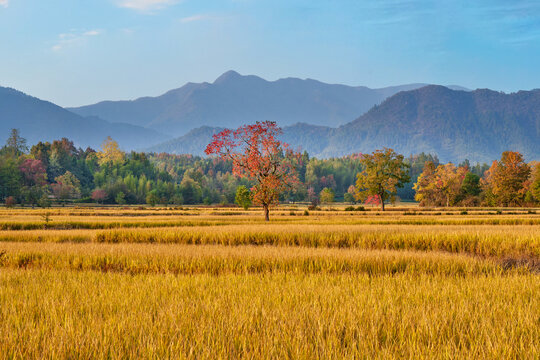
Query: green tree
[[152, 198], [15, 144], [384, 172], [471, 184], [327, 196], [243, 197], [32, 194], [190, 190], [67, 187], [120, 198], [10, 177]]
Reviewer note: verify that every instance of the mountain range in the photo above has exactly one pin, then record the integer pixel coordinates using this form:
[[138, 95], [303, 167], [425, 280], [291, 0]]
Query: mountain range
[[40, 120], [233, 100], [456, 125], [324, 119]]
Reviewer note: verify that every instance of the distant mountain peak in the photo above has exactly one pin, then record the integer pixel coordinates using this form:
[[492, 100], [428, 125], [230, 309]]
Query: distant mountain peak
[[228, 76], [234, 99], [454, 124]]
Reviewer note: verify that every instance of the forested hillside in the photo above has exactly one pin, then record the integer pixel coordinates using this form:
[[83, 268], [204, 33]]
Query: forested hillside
[[456, 125]]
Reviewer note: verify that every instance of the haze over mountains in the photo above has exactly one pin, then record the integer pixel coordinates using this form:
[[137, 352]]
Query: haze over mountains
[[456, 125], [233, 100], [40, 120], [326, 120]]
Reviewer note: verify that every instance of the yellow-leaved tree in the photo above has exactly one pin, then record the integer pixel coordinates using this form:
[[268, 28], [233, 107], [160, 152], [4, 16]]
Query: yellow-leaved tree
[[110, 152], [439, 186]]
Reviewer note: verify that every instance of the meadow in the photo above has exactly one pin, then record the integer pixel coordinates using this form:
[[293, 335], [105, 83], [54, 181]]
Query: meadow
[[218, 282]]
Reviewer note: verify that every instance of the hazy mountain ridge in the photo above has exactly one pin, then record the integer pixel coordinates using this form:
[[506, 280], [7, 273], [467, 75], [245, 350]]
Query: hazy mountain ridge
[[453, 124], [233, 100], [40, 120], [194, 142]]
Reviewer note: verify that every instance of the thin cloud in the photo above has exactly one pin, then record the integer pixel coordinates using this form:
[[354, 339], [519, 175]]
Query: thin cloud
[[4, 3], [519, 22], [146, 5], [73, 37], [92, 33], [193, 18]]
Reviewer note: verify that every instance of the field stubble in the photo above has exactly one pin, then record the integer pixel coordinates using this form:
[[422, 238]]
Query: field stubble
[[199, 283]]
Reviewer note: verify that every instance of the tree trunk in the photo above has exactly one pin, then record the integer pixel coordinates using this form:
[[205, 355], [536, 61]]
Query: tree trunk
[[382, 202], [266, 213]]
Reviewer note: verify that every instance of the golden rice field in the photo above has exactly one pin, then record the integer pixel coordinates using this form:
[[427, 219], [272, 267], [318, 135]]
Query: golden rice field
[[207, 283]]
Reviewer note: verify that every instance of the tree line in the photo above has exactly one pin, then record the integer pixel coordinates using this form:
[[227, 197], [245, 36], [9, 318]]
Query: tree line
[[58, 172], [509, 181]]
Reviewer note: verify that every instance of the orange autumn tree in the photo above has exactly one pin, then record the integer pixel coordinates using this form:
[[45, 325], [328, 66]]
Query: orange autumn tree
[[441, 185], [505, 181], [258, 155]]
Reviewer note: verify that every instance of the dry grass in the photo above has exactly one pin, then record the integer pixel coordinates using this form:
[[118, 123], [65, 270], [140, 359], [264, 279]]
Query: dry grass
[[218, 260], [199, 283], [52, 314], [484, 240]]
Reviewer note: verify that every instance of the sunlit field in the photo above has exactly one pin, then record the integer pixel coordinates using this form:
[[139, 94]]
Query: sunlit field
[[217, 282]]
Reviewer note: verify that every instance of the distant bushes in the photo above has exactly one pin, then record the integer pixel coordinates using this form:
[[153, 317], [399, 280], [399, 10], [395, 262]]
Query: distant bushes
[[352, 208]]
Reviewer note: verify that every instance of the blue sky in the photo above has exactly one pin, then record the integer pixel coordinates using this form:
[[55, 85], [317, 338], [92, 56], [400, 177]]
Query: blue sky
[[76, 52]]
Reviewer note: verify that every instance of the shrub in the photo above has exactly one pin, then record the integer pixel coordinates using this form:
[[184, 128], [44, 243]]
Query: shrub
[[327, 196], [352, 208], [243, 197], [44, 201], [10, 202]]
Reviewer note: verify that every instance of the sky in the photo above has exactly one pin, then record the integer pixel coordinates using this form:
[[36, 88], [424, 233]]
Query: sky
[[78, 52]]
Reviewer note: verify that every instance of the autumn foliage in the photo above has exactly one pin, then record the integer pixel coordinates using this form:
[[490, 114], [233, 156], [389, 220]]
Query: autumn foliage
[[441, 185], [384, 172], [506, 181], [257, 154], [110, 152]]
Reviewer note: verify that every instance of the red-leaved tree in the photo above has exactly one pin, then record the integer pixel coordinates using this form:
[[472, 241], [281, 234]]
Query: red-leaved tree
[[257, 154], [99, 195]]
